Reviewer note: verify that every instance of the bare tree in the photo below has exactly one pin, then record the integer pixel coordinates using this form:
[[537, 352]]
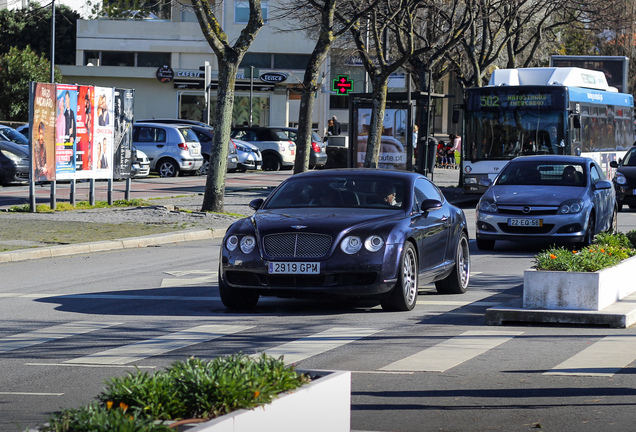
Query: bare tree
[[229, 57], [389, 26]]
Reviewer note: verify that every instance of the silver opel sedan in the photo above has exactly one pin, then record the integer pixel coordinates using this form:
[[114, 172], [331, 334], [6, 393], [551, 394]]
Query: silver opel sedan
[[546, 198]]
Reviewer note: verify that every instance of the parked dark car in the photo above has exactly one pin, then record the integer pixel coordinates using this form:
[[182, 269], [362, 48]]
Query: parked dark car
[[14, 163], [548, 199], [625, 180], [350, 233], [9, 134], [318, 150], [206, 135]]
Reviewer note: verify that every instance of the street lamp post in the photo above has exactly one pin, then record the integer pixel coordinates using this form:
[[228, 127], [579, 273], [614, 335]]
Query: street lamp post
[[53, 41]]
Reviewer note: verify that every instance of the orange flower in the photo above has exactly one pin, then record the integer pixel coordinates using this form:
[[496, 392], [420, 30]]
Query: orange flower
[[574, 252], [123, 406], [603, 250], [256, 393], [109, 404], [552, 256]]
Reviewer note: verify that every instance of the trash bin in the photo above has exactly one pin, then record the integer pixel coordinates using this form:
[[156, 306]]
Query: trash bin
[[432, 153]]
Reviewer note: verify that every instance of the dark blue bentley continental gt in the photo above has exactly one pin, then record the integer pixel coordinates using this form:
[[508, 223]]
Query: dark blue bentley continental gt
[[350, 233]]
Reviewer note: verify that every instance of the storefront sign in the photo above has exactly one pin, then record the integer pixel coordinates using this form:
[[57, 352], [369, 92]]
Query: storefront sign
[[342, 85], [273, 77], [165, 74]]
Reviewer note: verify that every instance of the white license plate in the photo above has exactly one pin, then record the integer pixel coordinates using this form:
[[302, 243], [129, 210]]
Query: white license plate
[[195, 151], [525, 222], [294, 268]]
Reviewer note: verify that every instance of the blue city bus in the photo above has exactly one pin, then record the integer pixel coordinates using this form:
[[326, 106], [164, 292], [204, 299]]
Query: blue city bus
[[568, 111]]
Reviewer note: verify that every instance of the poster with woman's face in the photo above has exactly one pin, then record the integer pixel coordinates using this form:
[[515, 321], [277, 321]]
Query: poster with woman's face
[[42, 132], [85, 124], [102, 153], [66, 131]]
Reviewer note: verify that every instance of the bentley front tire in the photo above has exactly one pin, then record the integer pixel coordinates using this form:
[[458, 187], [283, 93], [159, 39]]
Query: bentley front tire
[[457, 281], [404, 295]]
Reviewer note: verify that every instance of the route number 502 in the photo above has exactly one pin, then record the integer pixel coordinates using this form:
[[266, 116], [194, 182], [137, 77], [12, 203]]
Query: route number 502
[[490, 101]]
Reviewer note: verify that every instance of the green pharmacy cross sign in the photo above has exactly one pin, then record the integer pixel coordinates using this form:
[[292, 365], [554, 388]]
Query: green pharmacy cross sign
[[342, 85]]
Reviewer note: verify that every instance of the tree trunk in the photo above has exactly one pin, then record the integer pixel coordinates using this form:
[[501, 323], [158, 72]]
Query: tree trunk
[[215, 182], [380, 87]]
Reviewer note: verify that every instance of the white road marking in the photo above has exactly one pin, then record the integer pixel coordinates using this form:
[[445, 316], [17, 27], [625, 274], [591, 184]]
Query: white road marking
[[602, 359], [457, 303], [47, 334], [90, 365], [318, 343], [113, 297], [30, 394], [452, 352], [159, 345]]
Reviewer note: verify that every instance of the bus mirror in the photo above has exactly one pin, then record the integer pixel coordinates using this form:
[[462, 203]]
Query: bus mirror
[[576, 121]]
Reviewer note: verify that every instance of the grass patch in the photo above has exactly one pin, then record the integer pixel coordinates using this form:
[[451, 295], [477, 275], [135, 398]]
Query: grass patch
[[84, 205]]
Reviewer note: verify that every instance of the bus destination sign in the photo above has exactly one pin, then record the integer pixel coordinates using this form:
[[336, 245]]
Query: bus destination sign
[[515, 100]]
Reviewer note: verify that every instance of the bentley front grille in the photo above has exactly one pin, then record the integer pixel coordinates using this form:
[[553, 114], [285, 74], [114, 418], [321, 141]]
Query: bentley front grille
[[296, 245]]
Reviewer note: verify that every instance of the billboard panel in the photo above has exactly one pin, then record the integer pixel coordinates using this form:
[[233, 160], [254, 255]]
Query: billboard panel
[[42, 132], [123, 122], [103, 133], [65, 131]]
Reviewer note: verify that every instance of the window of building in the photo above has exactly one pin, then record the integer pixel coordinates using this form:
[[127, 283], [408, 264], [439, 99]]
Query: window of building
[[152, 59], [259, 60], [291, 61], [242, 11], [187, 14], [124, 58], [118, 58]]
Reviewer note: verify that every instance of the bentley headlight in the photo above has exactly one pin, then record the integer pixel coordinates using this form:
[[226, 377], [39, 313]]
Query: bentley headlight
[[487, 205], [373, 243], [571, 206], [620, 179], [247, 244], [232, 242], [351, 245]]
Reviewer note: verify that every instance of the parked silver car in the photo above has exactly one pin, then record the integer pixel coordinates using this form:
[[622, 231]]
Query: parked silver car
[[277, 149], [249, 156], [547, 198], [140, 164], [171, 148]]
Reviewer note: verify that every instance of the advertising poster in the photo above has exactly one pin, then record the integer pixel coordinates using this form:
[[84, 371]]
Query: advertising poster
[[393, 153], [42, 132], [103, 133], [65, 131], [84, 146], [123, 120]]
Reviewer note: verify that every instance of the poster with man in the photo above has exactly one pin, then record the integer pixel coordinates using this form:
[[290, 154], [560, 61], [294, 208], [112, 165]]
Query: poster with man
[[102, 153], [85, 124], [123, 120], [42, 130], [65, 131]]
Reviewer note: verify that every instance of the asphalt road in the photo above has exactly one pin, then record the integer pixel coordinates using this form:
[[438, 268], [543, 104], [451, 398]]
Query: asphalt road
[[436, 368]]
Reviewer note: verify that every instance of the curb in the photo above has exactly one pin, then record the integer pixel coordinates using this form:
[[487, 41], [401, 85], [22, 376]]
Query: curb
[[109, 245]]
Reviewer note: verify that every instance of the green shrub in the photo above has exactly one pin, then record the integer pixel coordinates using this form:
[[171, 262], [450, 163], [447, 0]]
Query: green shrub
[[196, 388], [607, 251]]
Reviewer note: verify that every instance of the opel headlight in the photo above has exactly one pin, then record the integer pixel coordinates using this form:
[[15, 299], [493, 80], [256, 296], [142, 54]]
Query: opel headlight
[[571, 206], [487, 205]]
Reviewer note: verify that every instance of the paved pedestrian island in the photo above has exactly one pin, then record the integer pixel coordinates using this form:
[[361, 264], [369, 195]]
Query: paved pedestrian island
[[621, 314]]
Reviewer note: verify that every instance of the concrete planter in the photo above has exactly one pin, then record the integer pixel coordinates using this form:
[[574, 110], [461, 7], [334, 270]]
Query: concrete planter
[[322, 405], [590, 291]]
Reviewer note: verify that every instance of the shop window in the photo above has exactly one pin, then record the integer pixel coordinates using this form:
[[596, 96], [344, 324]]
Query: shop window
[[338, 102], [242, 11], [92, 57]]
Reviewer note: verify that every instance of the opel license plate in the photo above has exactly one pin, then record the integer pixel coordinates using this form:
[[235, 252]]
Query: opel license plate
[[525, 222], [294, 268]]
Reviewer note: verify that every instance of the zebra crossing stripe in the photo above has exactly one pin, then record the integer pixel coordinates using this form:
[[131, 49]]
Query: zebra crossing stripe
[[452, 352], [602, 359], [47, 334], [159, 345], [318, 343]]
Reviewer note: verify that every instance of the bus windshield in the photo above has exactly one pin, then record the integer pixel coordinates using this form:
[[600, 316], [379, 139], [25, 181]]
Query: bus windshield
[[505, 134]]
